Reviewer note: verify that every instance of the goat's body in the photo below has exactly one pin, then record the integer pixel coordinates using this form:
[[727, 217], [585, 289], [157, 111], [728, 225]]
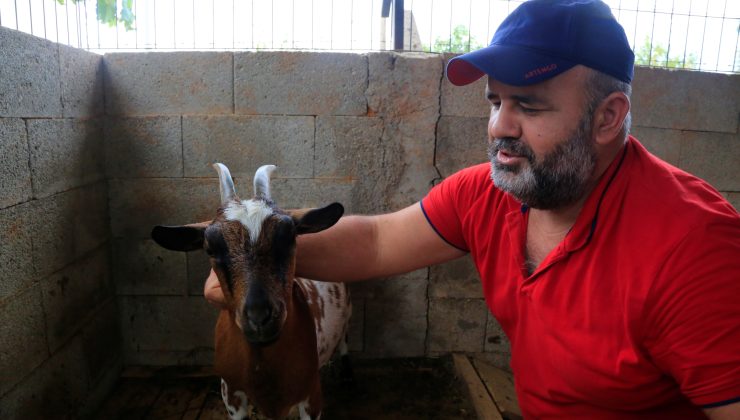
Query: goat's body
[[277, 377]]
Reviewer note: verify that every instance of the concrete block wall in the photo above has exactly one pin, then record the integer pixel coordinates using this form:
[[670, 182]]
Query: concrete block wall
[[99, 166], [372, 131], [60, 349]]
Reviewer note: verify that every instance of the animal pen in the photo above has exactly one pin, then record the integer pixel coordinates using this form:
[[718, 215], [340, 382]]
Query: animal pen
[[97, 321]]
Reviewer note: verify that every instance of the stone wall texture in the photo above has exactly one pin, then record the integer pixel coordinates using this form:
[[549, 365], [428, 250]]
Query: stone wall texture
[[60, 340], [95, 151]]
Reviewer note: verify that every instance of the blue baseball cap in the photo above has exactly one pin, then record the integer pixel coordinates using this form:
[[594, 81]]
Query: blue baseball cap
[[543, 38]]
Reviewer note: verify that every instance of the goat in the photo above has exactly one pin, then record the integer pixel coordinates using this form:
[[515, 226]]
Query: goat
[[276, 330]]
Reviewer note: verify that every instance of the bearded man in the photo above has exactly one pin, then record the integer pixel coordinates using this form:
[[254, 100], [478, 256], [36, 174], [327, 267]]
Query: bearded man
[[615, 276]]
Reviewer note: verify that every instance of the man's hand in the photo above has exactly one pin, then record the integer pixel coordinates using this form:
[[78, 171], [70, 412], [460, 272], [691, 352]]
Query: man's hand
[[212, 291]]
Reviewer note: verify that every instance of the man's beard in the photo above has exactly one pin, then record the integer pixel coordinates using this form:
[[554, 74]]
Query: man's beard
[[559, 179]]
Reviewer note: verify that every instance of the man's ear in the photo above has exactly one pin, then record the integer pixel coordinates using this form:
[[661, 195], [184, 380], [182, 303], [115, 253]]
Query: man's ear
[[316, 220], [609, 117], [180, 238]]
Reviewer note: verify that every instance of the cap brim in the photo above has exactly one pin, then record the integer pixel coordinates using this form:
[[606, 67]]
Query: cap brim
[[511, 65]]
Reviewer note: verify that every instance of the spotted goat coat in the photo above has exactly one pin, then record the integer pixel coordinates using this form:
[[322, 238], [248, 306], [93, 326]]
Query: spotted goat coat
[[276, 330]]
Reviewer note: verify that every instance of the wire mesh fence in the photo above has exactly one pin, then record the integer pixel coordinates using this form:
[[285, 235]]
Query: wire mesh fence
[[691, 34]]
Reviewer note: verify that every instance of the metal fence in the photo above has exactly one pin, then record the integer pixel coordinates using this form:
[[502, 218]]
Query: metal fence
[[692, 34]]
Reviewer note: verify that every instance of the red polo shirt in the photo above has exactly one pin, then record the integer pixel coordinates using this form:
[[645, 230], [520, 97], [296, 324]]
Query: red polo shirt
[[636, 314]]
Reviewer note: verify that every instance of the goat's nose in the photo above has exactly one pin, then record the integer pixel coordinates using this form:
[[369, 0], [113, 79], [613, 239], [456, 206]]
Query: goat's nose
[[259, 315]]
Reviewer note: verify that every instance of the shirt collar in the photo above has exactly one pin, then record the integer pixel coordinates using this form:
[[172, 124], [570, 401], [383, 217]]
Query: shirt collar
[[587, 223]]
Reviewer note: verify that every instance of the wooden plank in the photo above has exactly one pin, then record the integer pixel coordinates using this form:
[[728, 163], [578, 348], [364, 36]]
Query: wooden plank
[[117, 400], [500, 385], [484, 406], [141, 401], [213, 409], [174, 400], [197, 402]]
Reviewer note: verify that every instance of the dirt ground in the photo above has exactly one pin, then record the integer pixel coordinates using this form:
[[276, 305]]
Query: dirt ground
[[403, 389]]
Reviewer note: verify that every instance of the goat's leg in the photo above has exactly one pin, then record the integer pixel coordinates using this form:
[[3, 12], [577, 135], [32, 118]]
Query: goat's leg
[[311, 408]]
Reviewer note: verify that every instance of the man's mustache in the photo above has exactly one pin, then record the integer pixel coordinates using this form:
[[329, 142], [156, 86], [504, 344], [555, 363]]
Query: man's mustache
[[513, 147]]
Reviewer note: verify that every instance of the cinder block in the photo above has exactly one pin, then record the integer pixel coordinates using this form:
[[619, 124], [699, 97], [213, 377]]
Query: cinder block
[[411, 170], [73, 293], [662, 142], [734, 199], [74, 223], [464, 101], [457, 325], [137, 205], [168, 83], [57, 389], [141, 267], [300, 83], [82, 82], [29, 76], [356, 330], [686, 100], [349, 147], [455, 279], [23, 346], [461, 142], [395, 328], [714, 157], [16, 252], [403, 84], [245, 143], [497, 343], [143, 147], [101, 342], [411, 285], [65, 154], [310, 193], [161, 325], [15, 174], [199, 268]]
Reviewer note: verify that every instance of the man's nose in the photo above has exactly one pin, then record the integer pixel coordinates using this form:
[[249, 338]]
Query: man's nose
[[503, 123]]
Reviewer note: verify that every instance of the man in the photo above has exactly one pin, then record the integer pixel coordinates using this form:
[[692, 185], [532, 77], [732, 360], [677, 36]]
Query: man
[[615, 275]]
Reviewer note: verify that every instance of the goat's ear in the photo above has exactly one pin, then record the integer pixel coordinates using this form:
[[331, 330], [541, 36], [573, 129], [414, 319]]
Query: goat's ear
[[180, 238], [316, 220]]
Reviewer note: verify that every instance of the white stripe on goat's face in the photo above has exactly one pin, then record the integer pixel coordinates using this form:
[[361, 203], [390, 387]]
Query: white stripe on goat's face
[[251, 214]]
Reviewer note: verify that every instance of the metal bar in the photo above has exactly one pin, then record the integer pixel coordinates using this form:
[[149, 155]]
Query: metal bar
[[213, 24], [398, 24], [30, 15], [43, 9], [385, 9], [331, 26], [351, 21], [66, 20], [233, 25], [15, 6], [652, 36], [449, 45], [470, 23], [703, 35], [721, 28], [670, 31], [174, 25], [734, 58]]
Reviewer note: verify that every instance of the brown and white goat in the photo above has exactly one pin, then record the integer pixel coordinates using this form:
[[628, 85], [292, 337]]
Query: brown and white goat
[[276, 330]]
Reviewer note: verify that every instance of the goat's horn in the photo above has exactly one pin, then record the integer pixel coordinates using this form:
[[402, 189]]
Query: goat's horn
[[226, 183], [262, 181]]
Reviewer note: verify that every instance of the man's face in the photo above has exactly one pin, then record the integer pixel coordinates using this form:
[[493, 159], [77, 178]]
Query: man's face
[[540, 141]]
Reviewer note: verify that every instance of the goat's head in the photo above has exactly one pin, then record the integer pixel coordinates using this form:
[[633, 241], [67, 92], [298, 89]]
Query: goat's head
[[251, 245]]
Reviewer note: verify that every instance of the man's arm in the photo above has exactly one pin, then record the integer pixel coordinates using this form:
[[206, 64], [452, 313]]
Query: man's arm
[[364, 247]]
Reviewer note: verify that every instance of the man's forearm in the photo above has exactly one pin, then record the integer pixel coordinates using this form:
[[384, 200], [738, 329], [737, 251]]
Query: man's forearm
[[345, 252]]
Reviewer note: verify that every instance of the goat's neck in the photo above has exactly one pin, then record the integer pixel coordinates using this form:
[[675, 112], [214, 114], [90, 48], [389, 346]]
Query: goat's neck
[[275, 371]]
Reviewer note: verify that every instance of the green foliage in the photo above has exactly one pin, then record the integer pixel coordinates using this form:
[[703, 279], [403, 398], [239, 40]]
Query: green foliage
[[460, 42], [107, 12], [657, 55]]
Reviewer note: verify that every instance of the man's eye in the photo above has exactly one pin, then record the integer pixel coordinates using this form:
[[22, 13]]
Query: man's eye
[[496, 105], [529, 110]]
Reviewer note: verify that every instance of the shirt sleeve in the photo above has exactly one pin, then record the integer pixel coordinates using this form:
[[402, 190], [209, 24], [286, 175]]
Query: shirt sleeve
[[447, 204], [693, 315]]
